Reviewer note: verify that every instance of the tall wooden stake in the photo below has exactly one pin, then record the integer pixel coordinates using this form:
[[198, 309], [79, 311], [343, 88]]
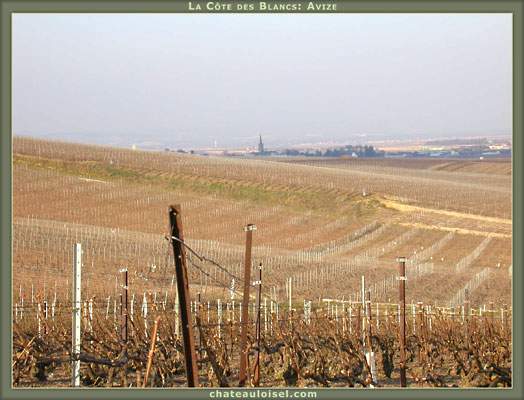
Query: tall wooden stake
[[151, 351], [402, 292], [177, 239], [245, 305], [77, 306]]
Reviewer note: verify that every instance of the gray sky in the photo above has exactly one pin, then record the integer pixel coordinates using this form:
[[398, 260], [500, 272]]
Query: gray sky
[[184, 80]]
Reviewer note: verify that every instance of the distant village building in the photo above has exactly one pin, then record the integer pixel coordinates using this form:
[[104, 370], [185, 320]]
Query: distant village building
[[260, 146]]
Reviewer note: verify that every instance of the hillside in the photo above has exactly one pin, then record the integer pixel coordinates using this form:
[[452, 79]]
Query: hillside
[[310, 217]]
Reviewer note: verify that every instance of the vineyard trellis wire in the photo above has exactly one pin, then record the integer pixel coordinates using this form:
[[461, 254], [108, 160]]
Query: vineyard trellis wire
[[305, 267], [88, 311]]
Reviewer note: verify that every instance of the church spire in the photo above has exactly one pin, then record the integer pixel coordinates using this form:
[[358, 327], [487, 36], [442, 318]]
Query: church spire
[[260, 146]]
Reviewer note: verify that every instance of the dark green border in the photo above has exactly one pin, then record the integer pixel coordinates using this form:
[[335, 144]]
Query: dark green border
[[8, 7]]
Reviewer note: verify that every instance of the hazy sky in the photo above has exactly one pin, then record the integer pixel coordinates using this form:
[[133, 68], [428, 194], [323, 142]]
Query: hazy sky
[[184, 80]]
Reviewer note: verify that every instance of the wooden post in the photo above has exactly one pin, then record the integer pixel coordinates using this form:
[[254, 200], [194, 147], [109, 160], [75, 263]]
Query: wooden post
[[245, 305], [151, 350], [402, 293], [256, 370], [77, 306], [177, 241]]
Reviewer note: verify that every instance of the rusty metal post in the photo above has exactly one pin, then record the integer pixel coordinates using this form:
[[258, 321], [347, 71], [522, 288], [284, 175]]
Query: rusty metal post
[[124, 307], [256, 370], [245, 305], [402, 292], [177, 241]]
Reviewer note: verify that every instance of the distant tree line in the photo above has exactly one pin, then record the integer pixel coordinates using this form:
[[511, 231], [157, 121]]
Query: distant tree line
[[348, 150]]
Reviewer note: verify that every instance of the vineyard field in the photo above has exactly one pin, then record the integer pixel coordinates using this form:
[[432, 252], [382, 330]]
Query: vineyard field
[[324, 228]]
